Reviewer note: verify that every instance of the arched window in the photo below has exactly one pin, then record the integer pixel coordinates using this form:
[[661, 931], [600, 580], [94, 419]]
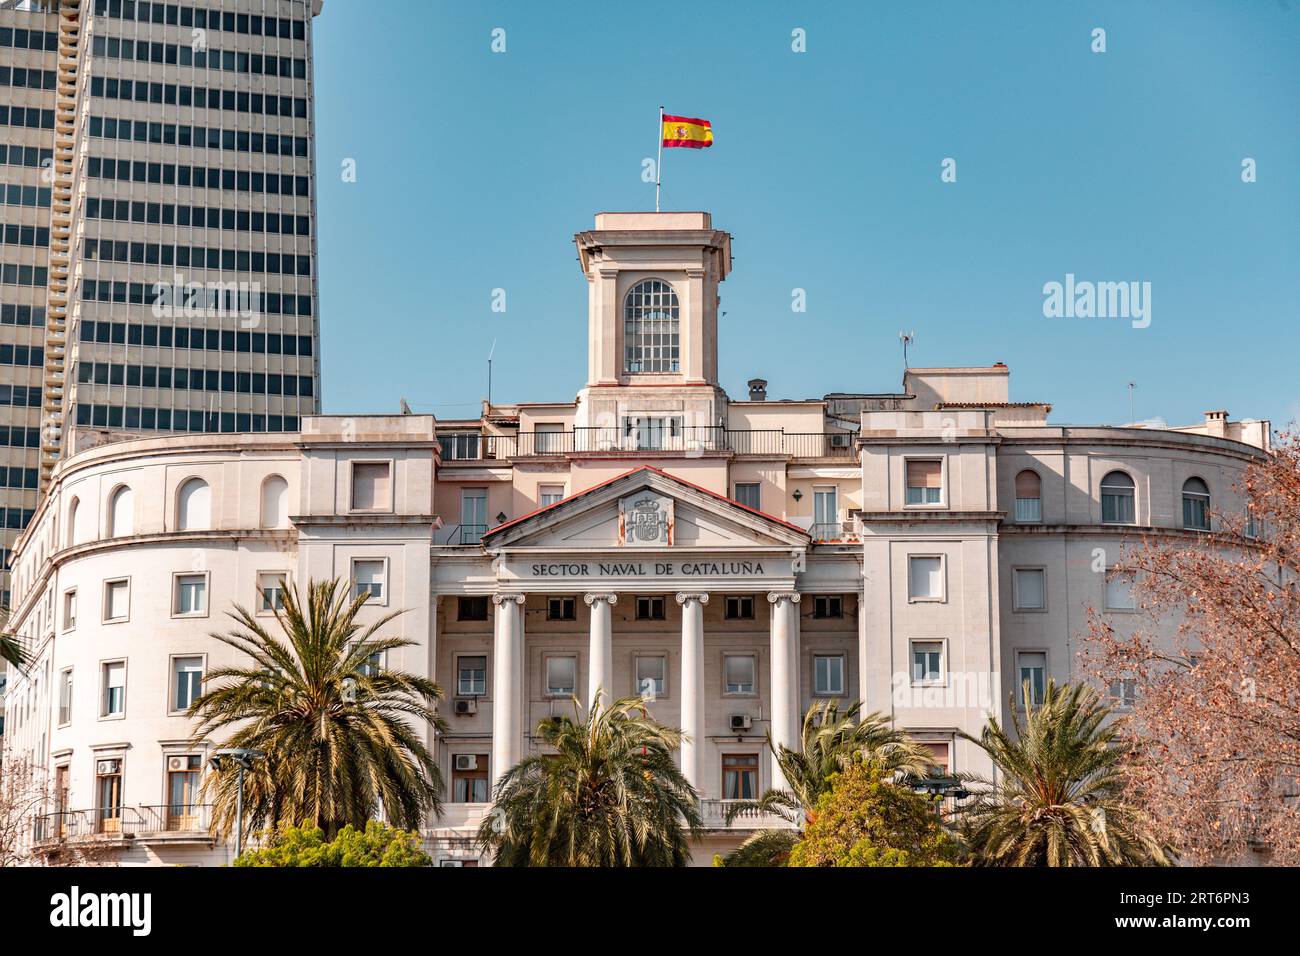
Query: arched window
[[1196, 505], [650, 339], [1117, 499], [275, 502], [1029, 497], [70, 533], [120, 513], [194, 506]]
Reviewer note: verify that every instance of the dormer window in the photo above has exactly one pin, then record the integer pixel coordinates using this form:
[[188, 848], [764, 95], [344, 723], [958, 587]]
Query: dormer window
[[651, 341]]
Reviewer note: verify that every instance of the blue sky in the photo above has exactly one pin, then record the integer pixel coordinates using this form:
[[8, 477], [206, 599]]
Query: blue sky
[[475, 169]]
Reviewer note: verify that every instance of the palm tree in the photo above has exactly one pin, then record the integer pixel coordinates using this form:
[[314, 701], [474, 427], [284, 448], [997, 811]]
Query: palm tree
[[1058, 800], [829, 741], [341, 735], [610, 795], [11, 648]]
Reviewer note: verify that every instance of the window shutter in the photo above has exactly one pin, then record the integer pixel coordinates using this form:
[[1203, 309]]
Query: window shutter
[[924, 474], [1028, 485]]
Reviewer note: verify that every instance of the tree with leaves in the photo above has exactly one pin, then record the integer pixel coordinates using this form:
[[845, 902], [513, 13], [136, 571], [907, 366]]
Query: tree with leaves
[[1059, 795], [610, 794], [376, 845], [828, 742], [341, 735], [1216, 722]]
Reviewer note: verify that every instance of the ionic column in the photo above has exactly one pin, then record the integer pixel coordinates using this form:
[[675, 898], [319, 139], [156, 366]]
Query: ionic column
[[600, 664], [785, 667], [507, 683], [692, 718]]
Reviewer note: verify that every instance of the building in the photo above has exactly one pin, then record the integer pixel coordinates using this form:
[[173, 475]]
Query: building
[[732, 560], [158, 225]]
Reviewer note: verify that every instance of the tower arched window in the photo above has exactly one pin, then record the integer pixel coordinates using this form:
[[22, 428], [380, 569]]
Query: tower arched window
[[121, 517], [651, 340], [1196, 505], [275, 502], [1117, 493], [1029, 497], [194, 506]]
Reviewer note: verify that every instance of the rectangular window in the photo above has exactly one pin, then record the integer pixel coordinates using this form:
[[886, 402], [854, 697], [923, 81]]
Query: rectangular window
[[925, 482], [191, 594], [1119, 592], [183, 792], [651, 675], [1031, 669], [270, 591], [1124, 692], [561, 676], [1029, 587], [739, 776], [925, 578], [747, 494], [738, 674], [927, 662], [826, 513], [187, 681], [371, 486], [472, 608], [549, 439], [65, 697], [471, 676], [549, 494], [117, 600], [69, 609], [108, 796], [368, 578], [473, 515], [828, 605], [828, 675], [469, 778], [562, 609], [650, 609], [113, 689], [740, 607]]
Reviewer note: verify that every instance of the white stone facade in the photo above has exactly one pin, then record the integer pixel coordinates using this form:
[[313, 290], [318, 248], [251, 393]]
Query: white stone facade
[[735, 560]]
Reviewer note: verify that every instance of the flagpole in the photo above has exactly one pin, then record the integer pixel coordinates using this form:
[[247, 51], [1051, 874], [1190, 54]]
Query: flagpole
[[660, 160]]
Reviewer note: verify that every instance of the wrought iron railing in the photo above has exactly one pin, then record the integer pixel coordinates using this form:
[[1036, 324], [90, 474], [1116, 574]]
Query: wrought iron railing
[[175, 818], [472, 446]]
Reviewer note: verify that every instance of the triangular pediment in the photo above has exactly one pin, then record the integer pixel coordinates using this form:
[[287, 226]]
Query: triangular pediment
[[646, 509]]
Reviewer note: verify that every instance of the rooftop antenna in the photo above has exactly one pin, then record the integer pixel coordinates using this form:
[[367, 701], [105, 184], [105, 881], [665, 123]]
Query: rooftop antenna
[[1132, 418], [491, 352], [907, 338]]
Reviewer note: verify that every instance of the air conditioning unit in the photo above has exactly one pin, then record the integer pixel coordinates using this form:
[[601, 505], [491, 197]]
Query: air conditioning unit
[[105, 767], [466, 706], [466, 761], [741, 722], [841, 439], [176, 763]]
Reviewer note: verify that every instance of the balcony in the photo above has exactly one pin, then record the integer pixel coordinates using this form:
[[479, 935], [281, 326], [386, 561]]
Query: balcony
[[472, 446], [175, 822], [107, 824], [714, 814]]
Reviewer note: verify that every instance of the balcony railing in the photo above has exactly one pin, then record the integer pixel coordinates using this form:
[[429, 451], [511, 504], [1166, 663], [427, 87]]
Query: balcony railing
[[175, 818], [469, 446], [714, 814], [82, 824]]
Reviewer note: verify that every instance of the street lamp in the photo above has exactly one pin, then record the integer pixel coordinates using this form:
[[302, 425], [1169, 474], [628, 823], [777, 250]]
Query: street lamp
[[242, 758]]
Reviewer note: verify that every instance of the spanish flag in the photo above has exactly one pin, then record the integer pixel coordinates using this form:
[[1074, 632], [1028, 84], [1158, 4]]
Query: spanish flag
[[687, 131]]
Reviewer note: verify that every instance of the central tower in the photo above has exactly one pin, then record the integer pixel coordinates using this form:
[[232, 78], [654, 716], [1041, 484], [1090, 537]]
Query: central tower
[[652, 320]]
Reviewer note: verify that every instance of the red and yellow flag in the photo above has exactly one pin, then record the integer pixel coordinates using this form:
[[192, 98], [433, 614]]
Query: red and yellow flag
[[687, 131]]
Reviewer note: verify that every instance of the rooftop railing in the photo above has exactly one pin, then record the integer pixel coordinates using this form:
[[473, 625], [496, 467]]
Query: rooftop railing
[[473, 446]]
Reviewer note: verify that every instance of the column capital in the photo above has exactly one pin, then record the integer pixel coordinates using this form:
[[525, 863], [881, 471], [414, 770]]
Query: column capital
[[776, 597], [501, 598], [591, 599], [684, 597]]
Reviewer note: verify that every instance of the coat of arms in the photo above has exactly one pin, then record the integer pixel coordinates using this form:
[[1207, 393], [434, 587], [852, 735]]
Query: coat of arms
[[645, 519]]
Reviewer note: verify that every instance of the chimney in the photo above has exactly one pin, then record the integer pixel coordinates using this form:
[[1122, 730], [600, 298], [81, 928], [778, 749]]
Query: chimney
[[758, 389], [1216, 423]]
